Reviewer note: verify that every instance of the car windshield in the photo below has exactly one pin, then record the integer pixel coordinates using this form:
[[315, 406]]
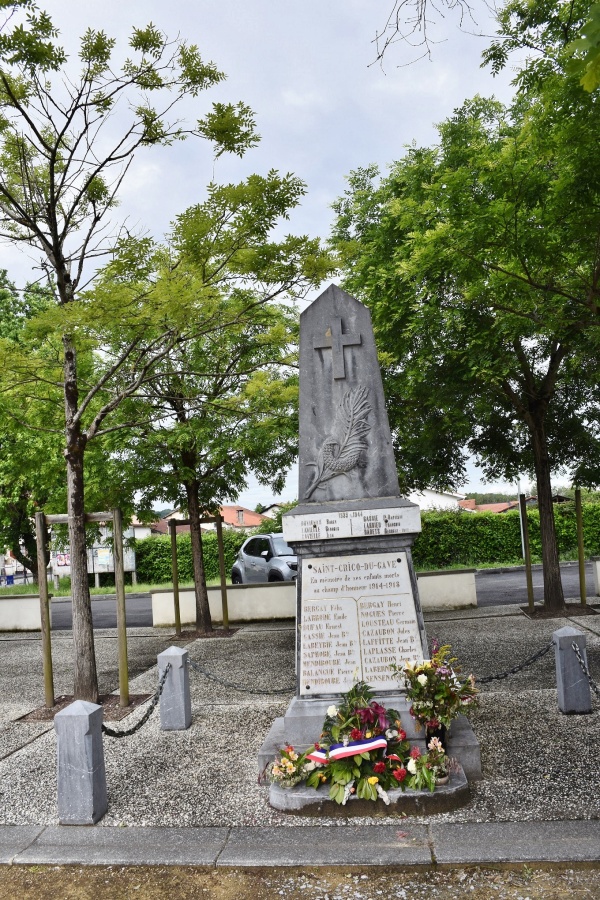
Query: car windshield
[[281, 548]]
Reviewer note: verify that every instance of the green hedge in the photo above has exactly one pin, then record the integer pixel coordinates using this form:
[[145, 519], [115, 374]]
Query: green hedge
[[153, 556], [446, 539], [472, 539]]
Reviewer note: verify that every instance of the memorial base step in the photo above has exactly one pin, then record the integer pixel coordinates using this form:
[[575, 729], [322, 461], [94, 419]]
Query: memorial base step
[[305, 801]]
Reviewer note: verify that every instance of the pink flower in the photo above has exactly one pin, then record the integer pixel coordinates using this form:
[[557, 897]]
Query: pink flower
[[415, 752], [381, 713], [366, 715]]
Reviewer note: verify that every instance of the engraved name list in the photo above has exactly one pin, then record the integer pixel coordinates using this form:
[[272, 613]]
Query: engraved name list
[[358, 616]]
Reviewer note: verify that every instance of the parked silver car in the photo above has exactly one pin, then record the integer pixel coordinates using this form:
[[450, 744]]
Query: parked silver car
[[264, 557]]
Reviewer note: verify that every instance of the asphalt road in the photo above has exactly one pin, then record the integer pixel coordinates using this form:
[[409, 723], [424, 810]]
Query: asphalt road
[[104, 612], [498, 588], [493, 589]]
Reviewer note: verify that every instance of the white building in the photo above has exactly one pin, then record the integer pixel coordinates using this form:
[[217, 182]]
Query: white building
[[430, 499]]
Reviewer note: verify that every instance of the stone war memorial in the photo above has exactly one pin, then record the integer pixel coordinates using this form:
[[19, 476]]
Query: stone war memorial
[[358, 610]]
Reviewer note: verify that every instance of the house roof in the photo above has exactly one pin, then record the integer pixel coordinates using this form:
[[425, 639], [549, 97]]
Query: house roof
[[249, 518], [162, 527], [231, 518], [497, 507], [471, 505]]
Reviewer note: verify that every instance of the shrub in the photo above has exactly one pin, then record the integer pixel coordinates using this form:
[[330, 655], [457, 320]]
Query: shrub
[[472, 539], [153, 556]]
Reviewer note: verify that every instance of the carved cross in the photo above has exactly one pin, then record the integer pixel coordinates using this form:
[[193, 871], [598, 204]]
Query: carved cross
[[336, 341]]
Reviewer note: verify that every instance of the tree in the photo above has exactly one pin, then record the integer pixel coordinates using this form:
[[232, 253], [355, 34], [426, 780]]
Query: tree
[[223, 410], [521, 26], [410, 23], [63, 156], [480, 260], [22, 453], [224, 403]]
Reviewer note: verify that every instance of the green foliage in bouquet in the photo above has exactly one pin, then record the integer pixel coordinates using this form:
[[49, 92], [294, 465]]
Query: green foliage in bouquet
[[437, 690], [368, 772]]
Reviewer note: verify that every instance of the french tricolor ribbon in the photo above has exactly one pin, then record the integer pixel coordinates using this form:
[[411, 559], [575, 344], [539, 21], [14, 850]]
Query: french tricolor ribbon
[[317, 756], [352, 748]]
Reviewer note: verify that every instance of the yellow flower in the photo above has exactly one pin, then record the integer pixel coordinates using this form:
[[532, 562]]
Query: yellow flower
[[373, 779], [368, 734]]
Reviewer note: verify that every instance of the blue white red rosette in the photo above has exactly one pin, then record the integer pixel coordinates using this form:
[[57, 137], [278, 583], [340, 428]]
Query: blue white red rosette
[[352, 748]]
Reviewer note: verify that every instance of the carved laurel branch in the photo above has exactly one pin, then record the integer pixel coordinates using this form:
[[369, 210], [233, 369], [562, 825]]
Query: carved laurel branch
[[339, 456]]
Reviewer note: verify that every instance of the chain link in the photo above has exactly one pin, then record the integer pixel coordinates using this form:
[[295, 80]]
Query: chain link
[[237, 687], [519, 668], [585, 669], [119, 734]]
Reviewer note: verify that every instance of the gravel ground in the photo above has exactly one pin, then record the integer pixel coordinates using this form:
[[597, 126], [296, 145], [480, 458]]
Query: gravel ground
[[537, 763]]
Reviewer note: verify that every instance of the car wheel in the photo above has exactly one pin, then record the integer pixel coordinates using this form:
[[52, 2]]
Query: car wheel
[[275, 576], [236, 578]]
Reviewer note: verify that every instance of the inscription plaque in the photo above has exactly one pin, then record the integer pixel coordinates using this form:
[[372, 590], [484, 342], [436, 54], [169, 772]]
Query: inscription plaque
[[354, 523], [358, 617]]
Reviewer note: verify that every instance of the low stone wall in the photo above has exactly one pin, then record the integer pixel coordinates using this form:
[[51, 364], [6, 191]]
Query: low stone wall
[[245, 602], [454, 589], [596, 571], [20, 612], [277, 600]]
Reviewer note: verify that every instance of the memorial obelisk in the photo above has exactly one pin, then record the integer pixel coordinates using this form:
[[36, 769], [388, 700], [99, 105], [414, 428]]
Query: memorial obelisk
[[358, 607]]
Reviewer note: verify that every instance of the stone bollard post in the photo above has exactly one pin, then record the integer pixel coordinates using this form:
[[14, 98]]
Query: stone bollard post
[[175, 702], [571, 683], [82, 796]]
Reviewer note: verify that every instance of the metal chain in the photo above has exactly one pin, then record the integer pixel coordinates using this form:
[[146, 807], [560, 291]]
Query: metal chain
[[528, 662], [585, 669], [237, 687], [119, 734]]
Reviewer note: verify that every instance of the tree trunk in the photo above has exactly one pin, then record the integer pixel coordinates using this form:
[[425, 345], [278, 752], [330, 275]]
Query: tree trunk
[[553, 590], [86, 679], [203, 621], [24, 534]]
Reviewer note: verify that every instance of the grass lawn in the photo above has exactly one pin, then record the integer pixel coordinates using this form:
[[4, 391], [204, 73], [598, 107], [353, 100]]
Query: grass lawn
[[65, 588]]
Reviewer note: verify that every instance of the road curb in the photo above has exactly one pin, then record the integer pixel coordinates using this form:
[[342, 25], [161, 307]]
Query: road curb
[[368, 846]]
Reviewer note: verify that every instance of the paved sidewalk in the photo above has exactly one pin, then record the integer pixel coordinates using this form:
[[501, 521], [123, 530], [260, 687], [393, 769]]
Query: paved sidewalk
[[572, 842], [192, 798]]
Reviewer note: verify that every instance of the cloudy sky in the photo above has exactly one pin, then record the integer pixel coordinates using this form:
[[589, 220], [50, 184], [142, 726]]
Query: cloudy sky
[[322, 107]]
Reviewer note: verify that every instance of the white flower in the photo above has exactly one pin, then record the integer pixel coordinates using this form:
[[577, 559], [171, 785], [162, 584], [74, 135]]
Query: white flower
[[382, 794], [411, 765], [422, 679], [391, 733], [332, 711], [309, 766], [347, 792]]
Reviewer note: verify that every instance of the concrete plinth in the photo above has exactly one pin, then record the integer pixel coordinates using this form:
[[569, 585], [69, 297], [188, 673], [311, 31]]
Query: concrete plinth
[[82, 795], [572, 686], [175, 701]]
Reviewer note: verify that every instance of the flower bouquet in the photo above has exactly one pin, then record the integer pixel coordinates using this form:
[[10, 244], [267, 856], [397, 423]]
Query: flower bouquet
[[437, 690], [290, 768], [362, 750]]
